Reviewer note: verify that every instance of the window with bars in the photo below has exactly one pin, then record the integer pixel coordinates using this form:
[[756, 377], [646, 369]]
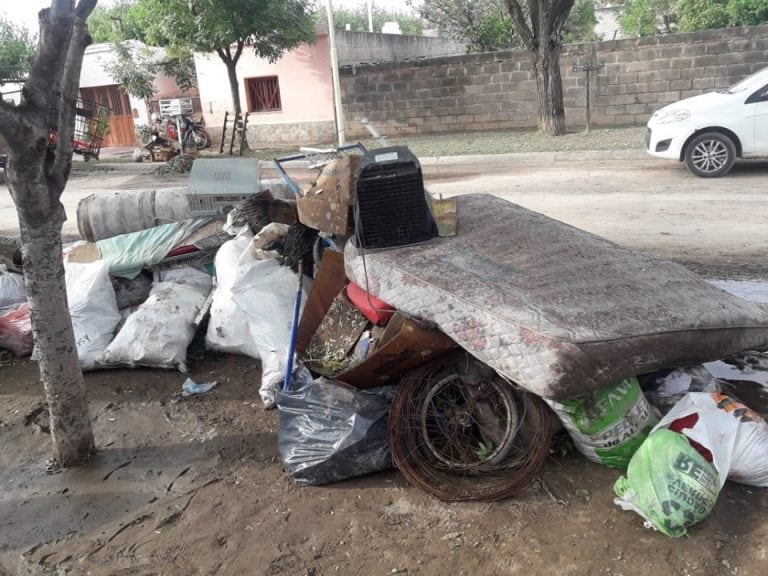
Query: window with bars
[[263, 94]]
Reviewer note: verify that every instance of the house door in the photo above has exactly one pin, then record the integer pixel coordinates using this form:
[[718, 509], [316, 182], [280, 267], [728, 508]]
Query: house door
[[121, 130]]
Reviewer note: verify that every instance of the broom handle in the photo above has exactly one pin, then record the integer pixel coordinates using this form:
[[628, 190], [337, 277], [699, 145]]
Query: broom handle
[[294, 330]]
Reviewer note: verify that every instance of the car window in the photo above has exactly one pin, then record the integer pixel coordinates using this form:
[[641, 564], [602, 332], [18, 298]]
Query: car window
[[760, 95], [749, 82]]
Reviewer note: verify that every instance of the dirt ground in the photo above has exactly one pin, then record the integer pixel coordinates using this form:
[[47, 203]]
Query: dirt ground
[[195, 486]]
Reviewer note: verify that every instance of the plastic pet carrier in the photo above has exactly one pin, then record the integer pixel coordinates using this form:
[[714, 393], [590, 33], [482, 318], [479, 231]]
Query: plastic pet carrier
[[391, 207]]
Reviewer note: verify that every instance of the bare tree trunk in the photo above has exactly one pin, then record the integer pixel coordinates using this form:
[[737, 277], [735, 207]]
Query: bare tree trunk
[[549, 90], [230, 60], [52, 327], [234, 86], [37, 172], [540, 27]]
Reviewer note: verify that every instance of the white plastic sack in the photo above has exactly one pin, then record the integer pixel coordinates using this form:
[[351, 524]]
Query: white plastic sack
[[227, 327], [12, 293], [158, 334], [93, 307], [190, 276], [735, 436], [266, 293]]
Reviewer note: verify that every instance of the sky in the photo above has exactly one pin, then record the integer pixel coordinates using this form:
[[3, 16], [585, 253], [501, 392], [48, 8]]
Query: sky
[[25, 11]]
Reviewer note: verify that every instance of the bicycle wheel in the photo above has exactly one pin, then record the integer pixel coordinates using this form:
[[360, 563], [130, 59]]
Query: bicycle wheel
[[461, 432]]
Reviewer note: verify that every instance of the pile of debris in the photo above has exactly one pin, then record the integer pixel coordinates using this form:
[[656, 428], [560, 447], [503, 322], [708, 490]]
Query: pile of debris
[[448, 337], [181, 164]]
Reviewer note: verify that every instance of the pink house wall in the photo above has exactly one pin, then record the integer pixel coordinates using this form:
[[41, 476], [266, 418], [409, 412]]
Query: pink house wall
[[304, 77]]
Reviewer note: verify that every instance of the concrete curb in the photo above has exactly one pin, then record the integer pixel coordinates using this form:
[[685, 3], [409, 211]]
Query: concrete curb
[[523, 158], [538, 157]]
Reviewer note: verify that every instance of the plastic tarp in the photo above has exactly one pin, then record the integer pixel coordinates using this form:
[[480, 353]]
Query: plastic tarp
[[555, 309], [329, 432], [127, 254]]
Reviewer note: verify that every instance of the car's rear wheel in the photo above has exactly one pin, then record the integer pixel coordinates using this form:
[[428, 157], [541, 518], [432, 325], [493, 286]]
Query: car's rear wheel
[[710, 154]]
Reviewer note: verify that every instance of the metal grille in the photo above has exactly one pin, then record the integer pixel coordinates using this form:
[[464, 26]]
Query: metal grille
[[391, 206]]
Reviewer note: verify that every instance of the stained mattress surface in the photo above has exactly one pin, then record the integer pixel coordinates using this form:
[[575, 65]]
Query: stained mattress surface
[[557, 310]]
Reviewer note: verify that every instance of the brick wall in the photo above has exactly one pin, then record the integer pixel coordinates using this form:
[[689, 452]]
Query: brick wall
[[496, 91]]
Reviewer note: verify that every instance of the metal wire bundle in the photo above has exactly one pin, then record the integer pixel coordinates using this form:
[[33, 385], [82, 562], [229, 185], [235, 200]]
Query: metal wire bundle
[[460, 432]]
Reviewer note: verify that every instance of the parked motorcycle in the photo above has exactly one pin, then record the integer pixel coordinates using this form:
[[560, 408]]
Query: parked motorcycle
[[164, 128]]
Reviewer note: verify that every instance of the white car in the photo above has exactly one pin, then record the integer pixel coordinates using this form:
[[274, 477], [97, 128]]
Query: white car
[[708, 132]]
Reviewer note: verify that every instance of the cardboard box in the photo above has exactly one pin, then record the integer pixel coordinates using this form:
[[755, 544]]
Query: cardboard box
[[404, 345], [327, 205]]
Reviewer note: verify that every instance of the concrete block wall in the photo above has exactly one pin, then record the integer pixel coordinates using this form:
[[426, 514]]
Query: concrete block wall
[[359, 47], [497, 90]]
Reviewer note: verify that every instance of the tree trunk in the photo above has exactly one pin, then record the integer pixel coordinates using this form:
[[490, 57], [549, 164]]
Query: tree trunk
[[60, 372], [234, 86], [37, 172], [549, 88]]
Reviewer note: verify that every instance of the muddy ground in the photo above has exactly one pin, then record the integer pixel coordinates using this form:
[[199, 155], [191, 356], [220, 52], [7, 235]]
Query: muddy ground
[[195, 486]]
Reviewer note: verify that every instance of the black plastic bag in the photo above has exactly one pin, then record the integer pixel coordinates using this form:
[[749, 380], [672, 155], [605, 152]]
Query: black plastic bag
[[329, 431]]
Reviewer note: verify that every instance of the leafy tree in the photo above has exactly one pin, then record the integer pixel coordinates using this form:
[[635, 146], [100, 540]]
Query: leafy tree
[[123, 20], [540, 28], [694, 15], [648, 17], [483, 25], [17, 47], [126, 26], [357, 19], [227, 27], [37, 173], [580, 26], [748, 12]]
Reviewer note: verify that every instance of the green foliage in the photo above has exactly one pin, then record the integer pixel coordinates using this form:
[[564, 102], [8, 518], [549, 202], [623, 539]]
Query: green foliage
[[748, 12], [581, 23], [134, 67], [123, 20], [701, 14], [483, 25], [357, 19], [17, 48], [648, 17], [269, 27]]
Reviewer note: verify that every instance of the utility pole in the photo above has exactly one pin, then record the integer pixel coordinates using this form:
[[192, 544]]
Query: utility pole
[[335, 75], [370, 16]]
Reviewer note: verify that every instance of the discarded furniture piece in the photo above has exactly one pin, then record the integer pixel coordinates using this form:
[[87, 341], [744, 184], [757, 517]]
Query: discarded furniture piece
[[557, 310], [404, 345]]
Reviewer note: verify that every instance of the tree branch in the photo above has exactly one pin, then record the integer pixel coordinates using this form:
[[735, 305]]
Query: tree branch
[[59, 169], [55, 31], [518, 17], [84, 9], [10, 120], [239, 51]]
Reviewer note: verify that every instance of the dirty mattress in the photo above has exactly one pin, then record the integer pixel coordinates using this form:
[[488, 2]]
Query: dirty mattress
[[555, 309]]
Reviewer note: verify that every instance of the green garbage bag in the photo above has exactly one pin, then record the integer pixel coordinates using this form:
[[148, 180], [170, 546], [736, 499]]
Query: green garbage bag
[[609, 424], [669, 484]]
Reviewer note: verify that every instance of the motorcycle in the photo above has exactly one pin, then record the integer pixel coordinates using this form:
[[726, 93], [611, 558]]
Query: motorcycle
[[165, 130]]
